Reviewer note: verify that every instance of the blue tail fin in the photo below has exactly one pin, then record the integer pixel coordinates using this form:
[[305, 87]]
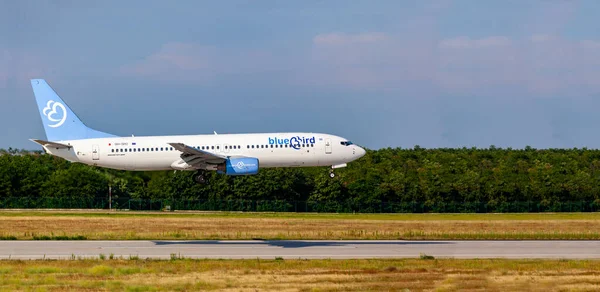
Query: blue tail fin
[[60, 122]]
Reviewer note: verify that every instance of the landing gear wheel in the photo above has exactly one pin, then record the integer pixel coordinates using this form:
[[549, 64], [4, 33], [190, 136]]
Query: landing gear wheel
[[199, 178], [331, 174]]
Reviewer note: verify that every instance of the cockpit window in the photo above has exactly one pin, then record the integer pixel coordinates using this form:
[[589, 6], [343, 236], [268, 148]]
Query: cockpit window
[[346, 143]]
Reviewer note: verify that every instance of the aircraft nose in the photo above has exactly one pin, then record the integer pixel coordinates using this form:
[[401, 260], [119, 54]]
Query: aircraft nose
[[360, 152]]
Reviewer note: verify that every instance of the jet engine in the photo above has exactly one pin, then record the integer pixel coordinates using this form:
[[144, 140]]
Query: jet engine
[[239, 166]]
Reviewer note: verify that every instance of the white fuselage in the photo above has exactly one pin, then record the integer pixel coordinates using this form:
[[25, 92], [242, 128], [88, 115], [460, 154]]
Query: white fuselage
[[155, 153]]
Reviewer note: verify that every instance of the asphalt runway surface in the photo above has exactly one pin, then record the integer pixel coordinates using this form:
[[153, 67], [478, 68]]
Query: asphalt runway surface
[[299, 249]]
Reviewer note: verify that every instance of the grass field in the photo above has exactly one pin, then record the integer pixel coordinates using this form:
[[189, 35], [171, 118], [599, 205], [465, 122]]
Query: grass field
[[149, 225], [301, 275]]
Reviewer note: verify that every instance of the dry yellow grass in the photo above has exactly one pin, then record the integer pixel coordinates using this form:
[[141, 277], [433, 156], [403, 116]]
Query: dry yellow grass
[[301, 275], [222, 227]]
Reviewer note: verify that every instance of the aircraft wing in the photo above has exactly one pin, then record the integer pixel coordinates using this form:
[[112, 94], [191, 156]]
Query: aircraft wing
[[193, 156], [51, 144]]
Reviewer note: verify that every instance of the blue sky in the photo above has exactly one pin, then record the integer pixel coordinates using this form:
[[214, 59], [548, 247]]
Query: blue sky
[[445, 73]]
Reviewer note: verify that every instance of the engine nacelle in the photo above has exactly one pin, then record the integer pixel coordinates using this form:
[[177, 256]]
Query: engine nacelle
[[239, 166]]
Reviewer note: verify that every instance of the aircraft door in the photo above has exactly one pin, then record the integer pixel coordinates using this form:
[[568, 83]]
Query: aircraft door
[[95, 152], [327, 146]]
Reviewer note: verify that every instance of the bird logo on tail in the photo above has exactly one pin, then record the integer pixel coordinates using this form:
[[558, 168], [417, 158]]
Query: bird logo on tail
[[54, 115]]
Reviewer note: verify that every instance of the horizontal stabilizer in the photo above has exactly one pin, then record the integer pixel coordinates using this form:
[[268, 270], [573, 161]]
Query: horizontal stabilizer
[[51, 144]]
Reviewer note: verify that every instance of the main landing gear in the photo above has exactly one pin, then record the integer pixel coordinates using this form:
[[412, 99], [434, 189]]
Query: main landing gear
[[331, 173], [199, 177]]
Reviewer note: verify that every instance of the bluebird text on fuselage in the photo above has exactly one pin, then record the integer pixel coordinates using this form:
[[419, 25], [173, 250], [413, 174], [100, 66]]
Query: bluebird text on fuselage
[[294, 142]]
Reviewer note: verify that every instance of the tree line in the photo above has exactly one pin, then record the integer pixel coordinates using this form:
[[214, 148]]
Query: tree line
[[429, 176]]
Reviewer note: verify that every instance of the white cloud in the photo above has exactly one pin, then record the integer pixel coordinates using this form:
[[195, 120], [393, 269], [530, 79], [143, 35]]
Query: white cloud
[[588, 44], [370, 60], [176, 61], [543, 38], [4, 57], [18, 66], [540, 65], [348, 39], [468, 43], [197, 63]]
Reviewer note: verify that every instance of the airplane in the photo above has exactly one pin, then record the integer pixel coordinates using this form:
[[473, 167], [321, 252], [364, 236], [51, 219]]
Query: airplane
[[229, 154]]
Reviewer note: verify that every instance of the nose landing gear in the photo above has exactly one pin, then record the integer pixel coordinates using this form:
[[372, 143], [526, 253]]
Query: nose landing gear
[[331, 173]]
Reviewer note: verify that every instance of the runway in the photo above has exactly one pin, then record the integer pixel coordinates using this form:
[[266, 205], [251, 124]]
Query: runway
[[299, 249]]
